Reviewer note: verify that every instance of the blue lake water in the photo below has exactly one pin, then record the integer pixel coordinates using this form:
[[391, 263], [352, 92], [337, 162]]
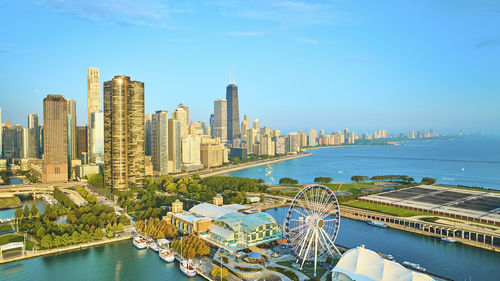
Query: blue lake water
[[456, 261], [470, 161]]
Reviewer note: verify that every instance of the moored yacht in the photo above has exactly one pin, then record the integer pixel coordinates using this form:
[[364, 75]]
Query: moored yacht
[[139, 243], [166, 255], [377, 224], [187, 268]]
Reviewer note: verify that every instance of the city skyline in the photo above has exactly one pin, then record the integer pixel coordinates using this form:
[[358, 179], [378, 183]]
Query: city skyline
[[426, 80]]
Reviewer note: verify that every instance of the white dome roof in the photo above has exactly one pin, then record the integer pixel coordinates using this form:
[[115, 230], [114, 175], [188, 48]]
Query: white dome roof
[[361, 264]]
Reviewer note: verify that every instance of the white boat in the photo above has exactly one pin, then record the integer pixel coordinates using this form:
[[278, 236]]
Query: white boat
[[139, 243], [187, 268], [153, 246], [414, 265], [167, 256], [390, 257], [377, 224], [448, 240]]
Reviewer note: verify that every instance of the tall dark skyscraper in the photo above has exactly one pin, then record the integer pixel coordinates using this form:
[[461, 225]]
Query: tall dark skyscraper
[[233, 112]]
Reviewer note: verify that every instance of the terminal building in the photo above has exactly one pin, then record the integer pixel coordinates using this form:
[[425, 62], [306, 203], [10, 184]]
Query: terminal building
[[228, 226]]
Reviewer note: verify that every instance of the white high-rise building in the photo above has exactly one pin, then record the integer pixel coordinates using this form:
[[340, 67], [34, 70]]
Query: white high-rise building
[[94, 105], [159, 141], [174, 145], [256, 124], [180, 115], [280, 145], [96, 137], [313, 135], [93, 92], [220, 119], [191, 154]]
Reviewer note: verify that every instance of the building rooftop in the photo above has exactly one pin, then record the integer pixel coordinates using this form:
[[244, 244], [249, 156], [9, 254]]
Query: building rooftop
[[209, 210], [247, 222], [362, 264]]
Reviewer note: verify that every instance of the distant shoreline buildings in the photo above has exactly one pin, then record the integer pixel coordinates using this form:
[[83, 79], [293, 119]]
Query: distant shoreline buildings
[[125, 144]]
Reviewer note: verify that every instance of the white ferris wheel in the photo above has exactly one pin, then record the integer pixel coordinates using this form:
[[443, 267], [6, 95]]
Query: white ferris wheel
[[312, 224]]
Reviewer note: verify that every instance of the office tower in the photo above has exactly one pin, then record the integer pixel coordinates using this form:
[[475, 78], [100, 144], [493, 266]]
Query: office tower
[[159, 141], [95, 145], [18, 140], [233, 112], [292, 143], [275, 133], [279, 145], [72, 128], [321, 132], [211, 122], [245, 124], [212, 154], [302, 139], [220, 119], [1, 133], [149, 124], [196, 129], [93, 93], [174, 145], [191, 154], [9, 141], [81, 141], [34, 136], [30, 143], [313, 135], [123, 133], [346, 135], [186, 109], [256, 124], [266, 145], [40, 141], [180, 115], [55, 158], [251, 136]]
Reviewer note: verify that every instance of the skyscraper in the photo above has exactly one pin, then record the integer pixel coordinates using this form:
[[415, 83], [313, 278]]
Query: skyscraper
[[149, 124], [34, 149], [220, 119], [180, 115], [174, 144], [93, 92], [233, 112], [211, 121], [81, 141], [123, 133], [159, 141], [245, 124], [55, 160], [96, 137], [9, 143], [186, 108], [256, 124], [72, 128]]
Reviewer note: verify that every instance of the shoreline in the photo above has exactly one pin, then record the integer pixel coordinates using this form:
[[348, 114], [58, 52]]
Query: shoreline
[[237, 167], [41, 253]]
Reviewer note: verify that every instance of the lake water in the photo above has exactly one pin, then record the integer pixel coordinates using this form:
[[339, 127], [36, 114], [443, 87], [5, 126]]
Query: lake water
[[9, 213], [456, 261], [471, 161]]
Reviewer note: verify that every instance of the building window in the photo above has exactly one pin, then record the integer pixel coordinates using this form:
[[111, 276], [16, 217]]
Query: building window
[[57, 170]]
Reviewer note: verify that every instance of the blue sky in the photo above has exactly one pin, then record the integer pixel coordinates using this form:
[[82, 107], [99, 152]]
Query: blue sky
[[314, 64]]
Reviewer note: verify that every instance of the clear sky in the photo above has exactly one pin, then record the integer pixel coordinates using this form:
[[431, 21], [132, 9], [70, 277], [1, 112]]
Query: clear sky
[[298, 64]]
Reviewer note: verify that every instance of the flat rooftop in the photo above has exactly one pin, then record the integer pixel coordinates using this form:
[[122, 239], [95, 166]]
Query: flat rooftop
[[454, 201]]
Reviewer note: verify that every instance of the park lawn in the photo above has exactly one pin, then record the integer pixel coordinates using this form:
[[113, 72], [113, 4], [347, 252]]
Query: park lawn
[[9, 238], [5, 228], [10, 202], [350, 187], [395, 211]]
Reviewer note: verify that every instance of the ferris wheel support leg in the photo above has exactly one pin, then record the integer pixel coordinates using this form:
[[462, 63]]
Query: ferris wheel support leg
[[333, 244], [307, 251], [315, 251]]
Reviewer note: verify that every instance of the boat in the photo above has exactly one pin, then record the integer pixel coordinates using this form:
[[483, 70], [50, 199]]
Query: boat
[[139, 243], [186, 266], [166, 255], [414, 265], [390, 257], [448, 240], [377, 224], [153, 246]]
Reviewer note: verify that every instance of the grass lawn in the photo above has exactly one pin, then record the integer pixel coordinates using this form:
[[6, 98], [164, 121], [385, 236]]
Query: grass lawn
[[10, 202], [400, 212], [350, 187], [5, 228], [9, 238]]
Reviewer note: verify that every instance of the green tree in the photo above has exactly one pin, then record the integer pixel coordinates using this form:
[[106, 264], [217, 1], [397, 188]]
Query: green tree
[[216, 271], [323, 180], [427, 180], [26, 211], [287, 180], [98, 234], [47, 242], [18, 213]]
